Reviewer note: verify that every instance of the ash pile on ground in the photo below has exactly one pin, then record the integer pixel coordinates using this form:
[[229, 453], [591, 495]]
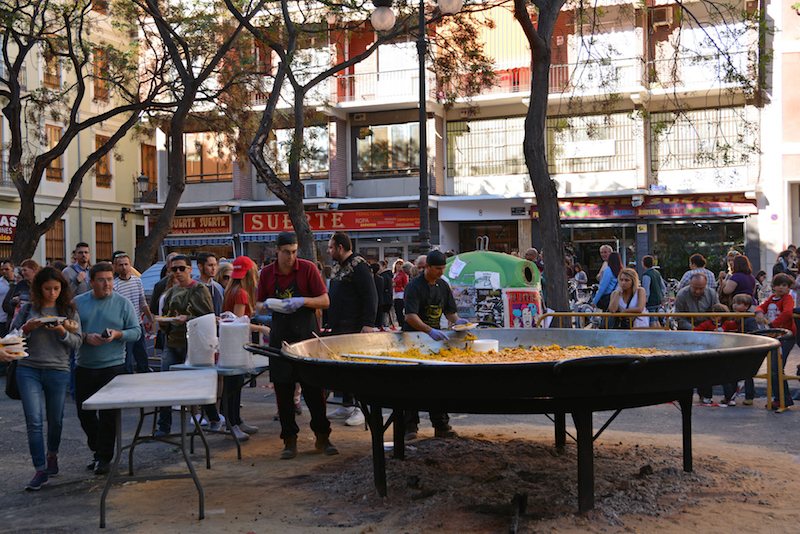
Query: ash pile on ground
[[479, 478]]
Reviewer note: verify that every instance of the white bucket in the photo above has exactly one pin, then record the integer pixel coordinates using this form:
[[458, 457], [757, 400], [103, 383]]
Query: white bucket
[[201, 340], [485, 345], [233, 336]]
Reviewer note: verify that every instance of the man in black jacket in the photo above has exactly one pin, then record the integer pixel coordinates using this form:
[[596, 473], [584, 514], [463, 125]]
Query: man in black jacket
[[354, 305]]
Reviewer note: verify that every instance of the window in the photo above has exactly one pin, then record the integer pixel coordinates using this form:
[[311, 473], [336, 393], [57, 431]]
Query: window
[[313, 155], [486, 147], [103, 241], [591, 143], [55, 243], [55, 171], [52, 73], [100, 75], [207, 158], [150, 169], [705, 138], [102, 175], [387, 150]]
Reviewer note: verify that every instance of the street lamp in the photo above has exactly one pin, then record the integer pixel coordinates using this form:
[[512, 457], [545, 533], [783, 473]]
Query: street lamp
[[142, 184], [381, 21]]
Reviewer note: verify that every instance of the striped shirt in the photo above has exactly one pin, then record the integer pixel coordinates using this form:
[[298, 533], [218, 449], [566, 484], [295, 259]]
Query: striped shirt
[[132, 290]]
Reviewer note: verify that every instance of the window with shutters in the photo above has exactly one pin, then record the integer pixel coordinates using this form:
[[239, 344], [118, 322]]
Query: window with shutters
[[55, 243], [103, 241], [55, 171], [100, 75], [102, 169]]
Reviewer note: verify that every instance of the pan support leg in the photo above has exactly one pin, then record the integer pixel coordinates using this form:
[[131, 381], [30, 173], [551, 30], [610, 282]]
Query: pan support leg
[[583, 425], [375, 421], [686, 417], [399, 432], [560, 419]]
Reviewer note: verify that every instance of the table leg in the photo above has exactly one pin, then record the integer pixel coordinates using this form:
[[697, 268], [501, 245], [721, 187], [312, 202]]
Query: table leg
[[399, 431], [114, 467], [189, 461], [375, 416], [686, 417], [583, 424], [136, 440], [225, 400], [560, 419]]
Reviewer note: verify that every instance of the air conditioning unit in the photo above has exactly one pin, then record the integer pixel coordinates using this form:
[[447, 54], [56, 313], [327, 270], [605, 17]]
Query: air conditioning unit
[[662, 16], [314, 190]]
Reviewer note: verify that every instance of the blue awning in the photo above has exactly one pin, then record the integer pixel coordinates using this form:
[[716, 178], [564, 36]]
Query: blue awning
[[268, 238], [197, 241]]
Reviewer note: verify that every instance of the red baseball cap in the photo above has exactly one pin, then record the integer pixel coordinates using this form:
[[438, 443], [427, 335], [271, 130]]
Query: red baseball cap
[[241, 265]]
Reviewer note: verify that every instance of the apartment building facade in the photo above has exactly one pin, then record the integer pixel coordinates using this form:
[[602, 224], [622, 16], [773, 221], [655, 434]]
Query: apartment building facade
[[655, 138], [103, 213]]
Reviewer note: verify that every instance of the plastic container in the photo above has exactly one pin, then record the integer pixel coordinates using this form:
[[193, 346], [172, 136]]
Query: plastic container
[[485, 345], [201, 340]]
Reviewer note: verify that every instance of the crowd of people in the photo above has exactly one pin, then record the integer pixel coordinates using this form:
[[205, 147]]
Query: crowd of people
[[85, 324]]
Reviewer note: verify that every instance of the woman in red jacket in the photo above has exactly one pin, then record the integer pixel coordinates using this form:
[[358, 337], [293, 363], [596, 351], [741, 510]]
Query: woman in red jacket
[[399, 283], [776, 312]]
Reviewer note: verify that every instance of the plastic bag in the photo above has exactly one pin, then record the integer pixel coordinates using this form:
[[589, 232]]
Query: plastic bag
[[234, 334], [201, 340]]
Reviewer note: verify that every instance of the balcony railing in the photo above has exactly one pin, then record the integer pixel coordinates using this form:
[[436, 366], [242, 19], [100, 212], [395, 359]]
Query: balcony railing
[[381, 86], [149, 197], [736, 69]]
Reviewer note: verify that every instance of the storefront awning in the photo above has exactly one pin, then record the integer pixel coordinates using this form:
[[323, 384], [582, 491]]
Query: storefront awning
[[197, 241]]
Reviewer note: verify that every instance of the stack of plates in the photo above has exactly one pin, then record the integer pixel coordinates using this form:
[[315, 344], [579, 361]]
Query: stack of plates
[[276, 305], [14, 345]]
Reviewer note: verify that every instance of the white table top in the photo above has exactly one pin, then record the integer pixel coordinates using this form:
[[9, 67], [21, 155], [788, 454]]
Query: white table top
[[260, 363], [150, 390]]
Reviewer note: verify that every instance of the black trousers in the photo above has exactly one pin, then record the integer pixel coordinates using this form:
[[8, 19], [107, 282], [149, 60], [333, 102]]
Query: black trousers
[[100, 426], [315, 400], [438, 420]]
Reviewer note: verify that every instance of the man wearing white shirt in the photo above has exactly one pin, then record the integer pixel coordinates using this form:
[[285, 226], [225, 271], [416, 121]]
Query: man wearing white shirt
[[130, 286]]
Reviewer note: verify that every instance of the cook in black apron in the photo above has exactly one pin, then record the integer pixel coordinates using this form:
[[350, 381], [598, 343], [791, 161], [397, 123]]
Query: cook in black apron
[[294, 327]]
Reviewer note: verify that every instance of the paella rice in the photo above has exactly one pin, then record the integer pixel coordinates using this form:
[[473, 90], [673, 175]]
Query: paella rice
[[549, 353]]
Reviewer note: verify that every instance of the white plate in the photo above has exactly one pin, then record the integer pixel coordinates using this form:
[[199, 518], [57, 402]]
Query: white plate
[[51, 319], [164, 319], [19, 347], [19, 355], [276, 305], [462, 327], [8, 340]]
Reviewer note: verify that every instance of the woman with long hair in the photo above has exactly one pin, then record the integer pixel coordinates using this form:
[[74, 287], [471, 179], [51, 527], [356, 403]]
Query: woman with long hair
[[629, 297], [43, 377], [223, 276], [240, 299], [784, 263], [741, 281], [608, 281], [580, 276]]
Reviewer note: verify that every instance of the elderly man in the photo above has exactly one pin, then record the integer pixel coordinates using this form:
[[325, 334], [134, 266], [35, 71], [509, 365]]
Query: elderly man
[[605, 251], [532, 255], [697, 264], [697, 298], [108, 321]]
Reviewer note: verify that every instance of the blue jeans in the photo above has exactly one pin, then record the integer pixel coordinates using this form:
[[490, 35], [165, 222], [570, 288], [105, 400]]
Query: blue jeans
[[172, 356], [43, 391], [137, 352]]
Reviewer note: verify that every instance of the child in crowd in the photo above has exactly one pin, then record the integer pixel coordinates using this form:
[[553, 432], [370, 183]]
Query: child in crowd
[[716, 324], [776, 312], [741, 304]]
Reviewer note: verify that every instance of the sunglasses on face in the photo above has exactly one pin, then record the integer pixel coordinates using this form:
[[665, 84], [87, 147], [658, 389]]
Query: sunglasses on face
[[226, 277], [180, 268]]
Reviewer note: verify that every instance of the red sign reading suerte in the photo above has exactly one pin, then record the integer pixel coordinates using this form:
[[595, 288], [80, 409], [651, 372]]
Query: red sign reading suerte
[[198, 224], [334, 221]]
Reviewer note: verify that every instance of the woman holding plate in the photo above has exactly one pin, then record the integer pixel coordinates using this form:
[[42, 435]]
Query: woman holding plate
[[50, 324]]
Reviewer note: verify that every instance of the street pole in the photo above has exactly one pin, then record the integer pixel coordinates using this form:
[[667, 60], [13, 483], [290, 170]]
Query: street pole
[[424, 213]]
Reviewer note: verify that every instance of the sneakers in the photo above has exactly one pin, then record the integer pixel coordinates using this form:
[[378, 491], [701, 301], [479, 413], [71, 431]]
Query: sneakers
[[357, 419], [706, 400], [91, 466], [217, 426], [241, 436], [344, 412], [247, 429], [199, 419], [277, 416], [748, 402], [730, 402], [445, 432], [411, 433], [289, 448], [324, 445], [52, 466], [297, 409], [159, 433], [103, 467], [38, 480]]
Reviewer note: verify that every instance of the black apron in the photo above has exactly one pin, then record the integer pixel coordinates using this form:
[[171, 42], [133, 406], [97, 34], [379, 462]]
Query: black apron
[[291, 327]]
